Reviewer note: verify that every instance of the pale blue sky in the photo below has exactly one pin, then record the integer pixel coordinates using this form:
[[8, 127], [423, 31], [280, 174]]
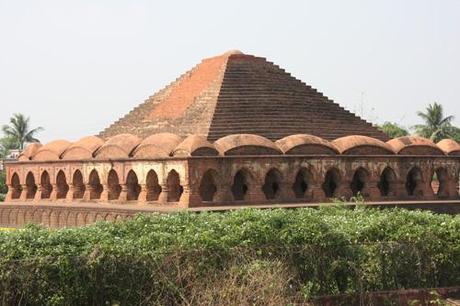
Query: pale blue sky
[[76, 66]]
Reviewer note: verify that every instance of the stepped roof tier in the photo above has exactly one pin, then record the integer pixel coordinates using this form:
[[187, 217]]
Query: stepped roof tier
[[235, 93]]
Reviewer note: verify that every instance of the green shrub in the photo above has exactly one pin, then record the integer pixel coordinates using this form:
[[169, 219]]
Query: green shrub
[[188, 258]]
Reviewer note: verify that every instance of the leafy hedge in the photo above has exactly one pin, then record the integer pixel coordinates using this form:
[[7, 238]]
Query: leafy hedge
[[247, 257]]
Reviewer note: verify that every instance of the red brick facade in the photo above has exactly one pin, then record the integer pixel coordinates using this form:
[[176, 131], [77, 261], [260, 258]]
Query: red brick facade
[[165, 170]]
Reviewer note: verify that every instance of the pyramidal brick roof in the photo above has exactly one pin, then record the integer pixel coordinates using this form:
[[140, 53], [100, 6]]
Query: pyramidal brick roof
[[236, 93]]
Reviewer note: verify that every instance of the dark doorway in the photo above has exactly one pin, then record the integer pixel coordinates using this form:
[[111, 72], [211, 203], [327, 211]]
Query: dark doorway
[[272, 185], [208, 186], [331, 182], [240, 185]]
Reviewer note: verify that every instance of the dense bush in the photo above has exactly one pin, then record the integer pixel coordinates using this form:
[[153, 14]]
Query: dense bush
[[254, 257]]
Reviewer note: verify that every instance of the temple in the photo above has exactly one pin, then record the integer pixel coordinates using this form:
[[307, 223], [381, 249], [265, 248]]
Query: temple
[[235, 130]]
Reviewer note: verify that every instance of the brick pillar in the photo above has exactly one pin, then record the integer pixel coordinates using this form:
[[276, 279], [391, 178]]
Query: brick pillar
[[452, 188], [123, 197], [185, 196], [105, 193], [69, 196], [428, 193], [88, 191], [286, 192], [163, 197], [223, 194], [255, 194], [399, 189], [194, 197], [38, 194], [53, 195], [25, 190], [371, 192], [9, 194], [143, 194], [317, 193], [343, 191]]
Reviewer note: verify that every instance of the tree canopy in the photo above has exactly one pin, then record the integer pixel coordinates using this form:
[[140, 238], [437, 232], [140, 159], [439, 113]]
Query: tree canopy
[[436, 126], [393, 129], [19, 132]]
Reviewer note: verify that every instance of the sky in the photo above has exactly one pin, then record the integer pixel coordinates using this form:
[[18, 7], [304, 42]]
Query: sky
[[75, 67]]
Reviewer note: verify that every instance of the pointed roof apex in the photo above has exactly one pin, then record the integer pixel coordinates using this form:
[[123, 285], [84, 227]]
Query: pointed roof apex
[[232, 52]]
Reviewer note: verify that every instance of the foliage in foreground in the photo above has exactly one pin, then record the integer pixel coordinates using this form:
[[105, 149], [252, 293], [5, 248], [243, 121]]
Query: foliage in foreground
[[257, 257]]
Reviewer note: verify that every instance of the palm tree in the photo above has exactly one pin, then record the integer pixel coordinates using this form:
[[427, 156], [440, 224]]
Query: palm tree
[[19, 131], [436, 126]]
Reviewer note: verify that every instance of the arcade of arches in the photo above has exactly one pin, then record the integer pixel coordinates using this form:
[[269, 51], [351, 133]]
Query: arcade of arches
[[65, 184], [236, 181]]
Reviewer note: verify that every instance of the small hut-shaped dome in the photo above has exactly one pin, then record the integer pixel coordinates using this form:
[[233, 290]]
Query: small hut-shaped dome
[[51, 151], [157, 146], [413, 145], [246, 144], [305, 144], [449, 147], [84, 148], [362, 145], [119, 146], [29, 151], [195, 145]]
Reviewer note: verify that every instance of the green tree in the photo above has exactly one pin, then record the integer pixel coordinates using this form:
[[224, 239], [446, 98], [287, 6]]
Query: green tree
[[436, 126], [19, 131], [393, 130], [7, 144], [455, 133]]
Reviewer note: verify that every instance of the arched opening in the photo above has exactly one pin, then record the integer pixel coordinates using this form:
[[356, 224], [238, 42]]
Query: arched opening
[[31, 186], [359, 181], [240, 185], [61, 185], [414, 182], [113, 185], [15, 186], [174, 188], [46, 186], [302, 183], [387, 182], [272, 185], [133, 186], [331, 182], [439, 182], [208, 186], [95, 185], [78, 185], [153, 188]]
